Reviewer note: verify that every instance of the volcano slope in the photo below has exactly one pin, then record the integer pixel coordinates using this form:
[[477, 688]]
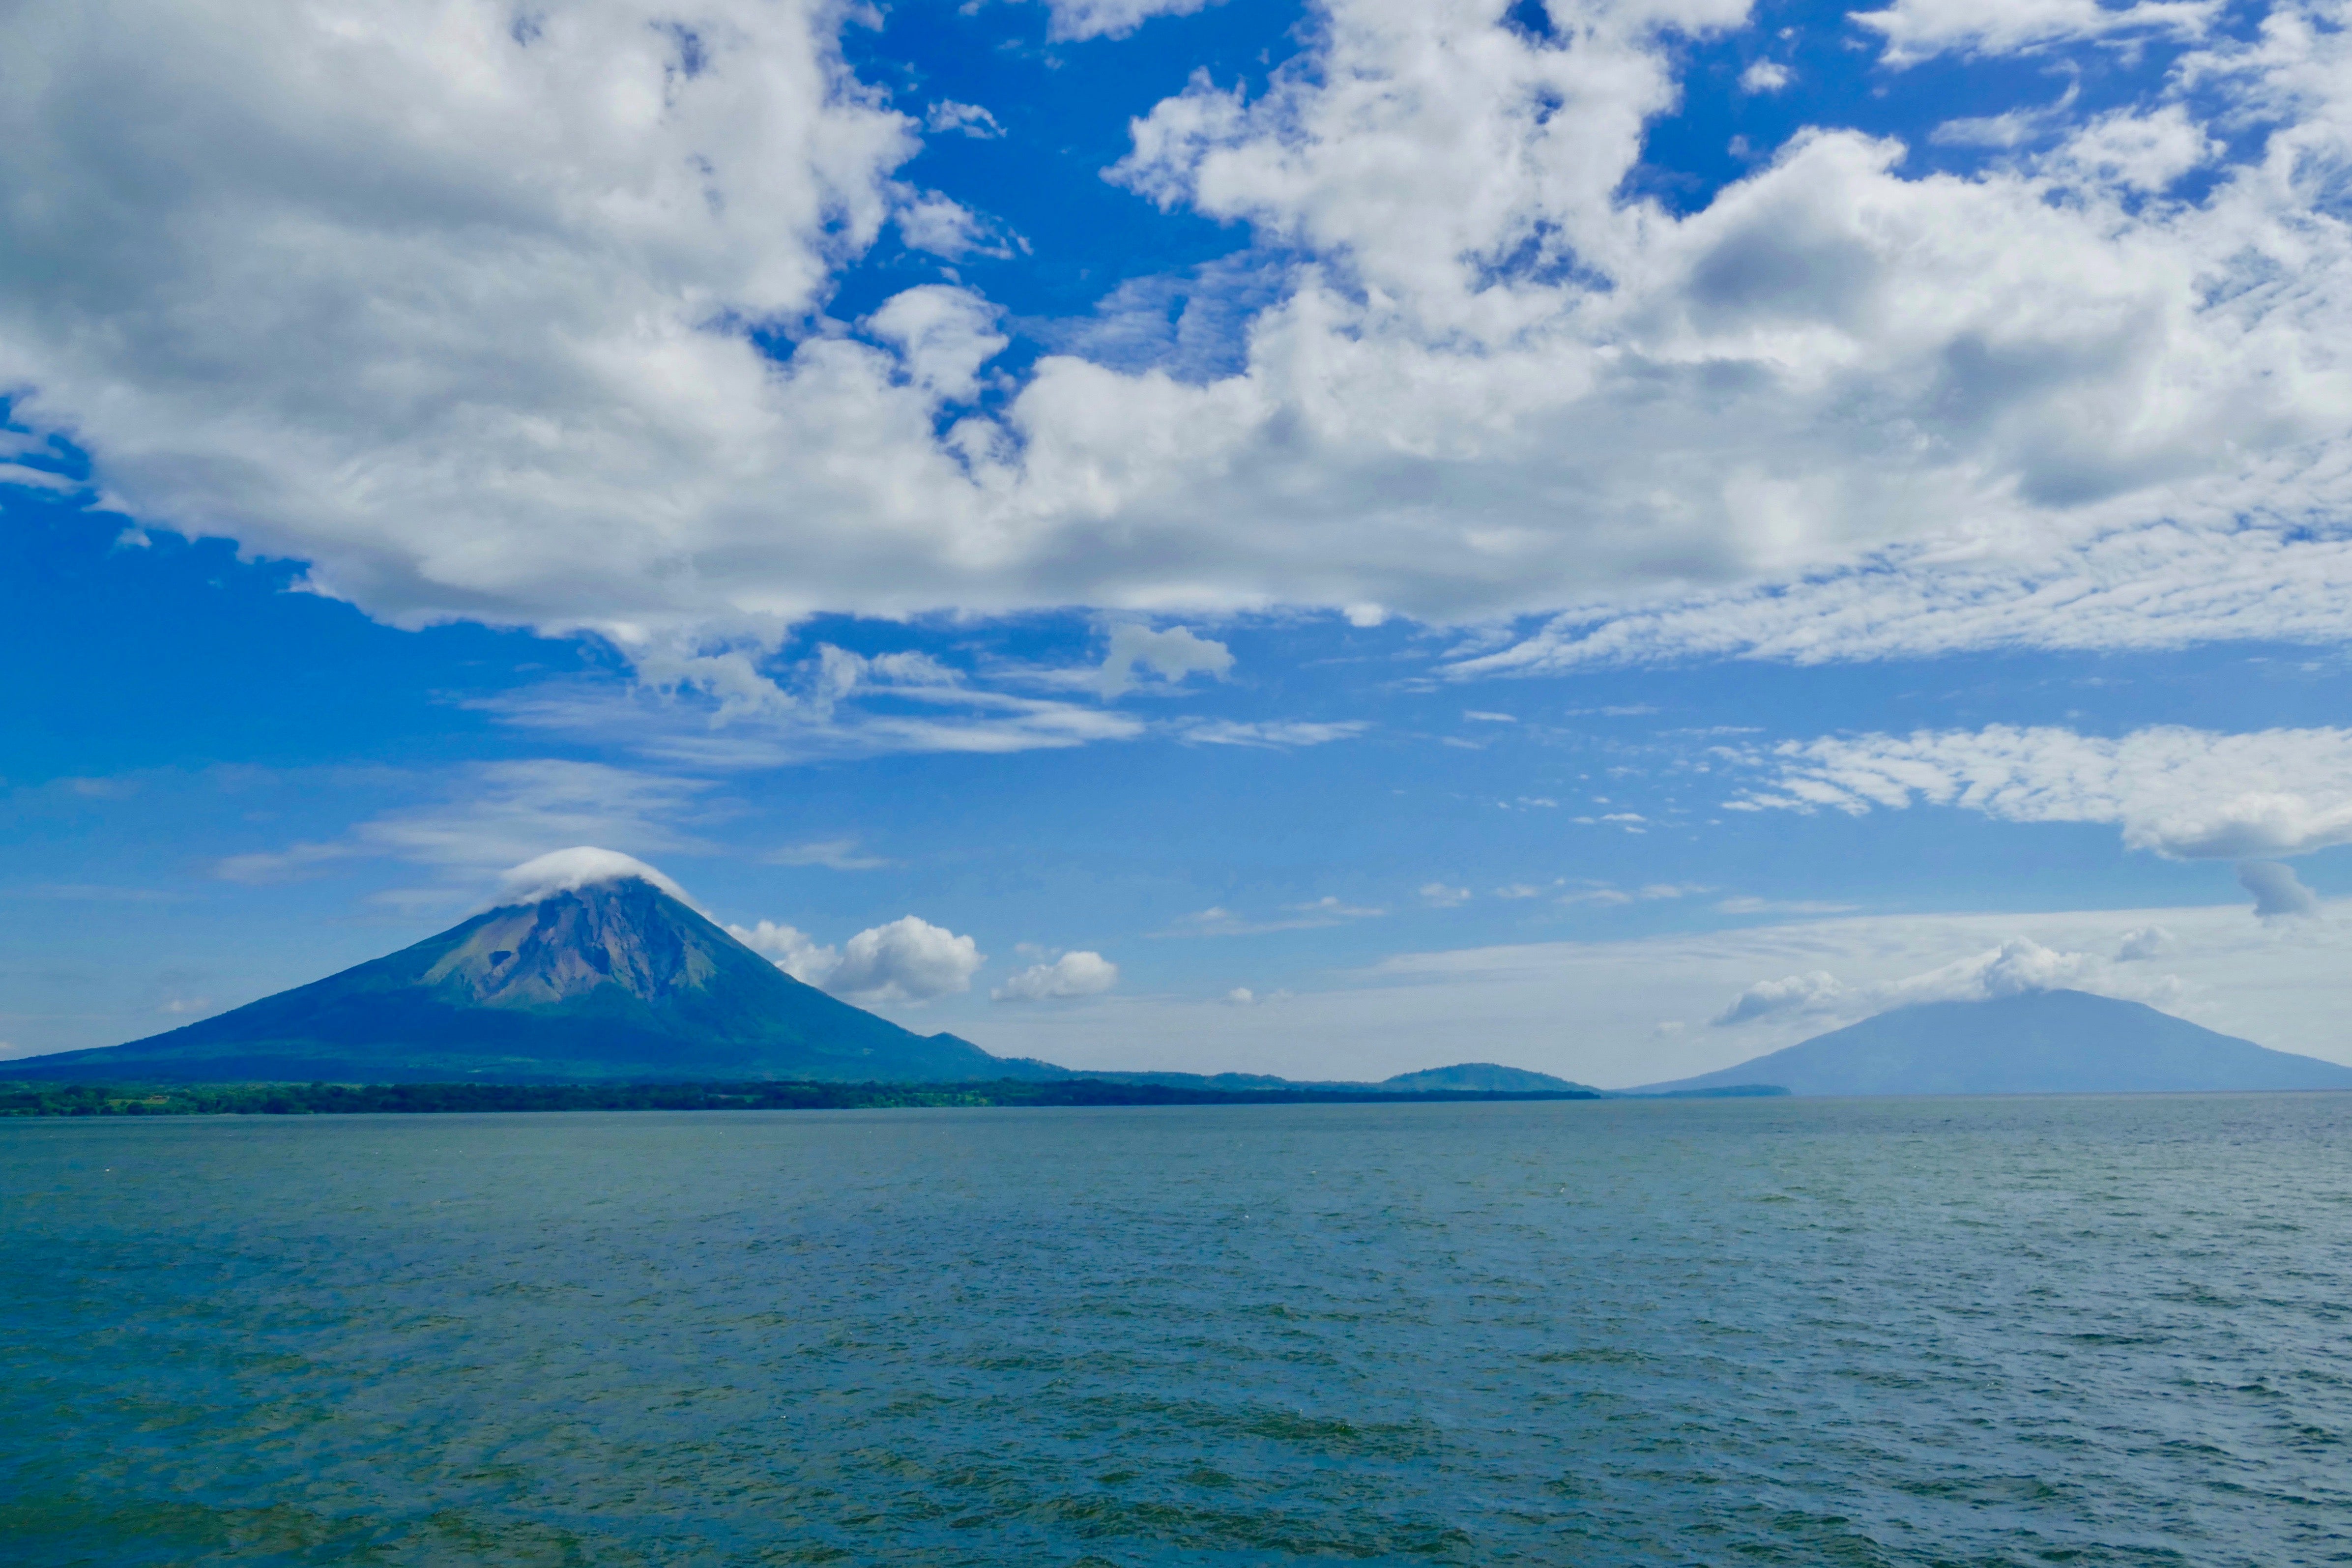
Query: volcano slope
[[612, 979]]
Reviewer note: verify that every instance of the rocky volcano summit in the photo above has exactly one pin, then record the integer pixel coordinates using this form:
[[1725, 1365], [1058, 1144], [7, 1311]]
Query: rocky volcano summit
[[594, 967]]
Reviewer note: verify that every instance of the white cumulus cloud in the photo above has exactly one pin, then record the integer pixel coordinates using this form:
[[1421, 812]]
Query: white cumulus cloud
[[1170, 655], [909, 959], [465, 308], [962, 119], [1071, 975], [1768, 996], [793, 951]]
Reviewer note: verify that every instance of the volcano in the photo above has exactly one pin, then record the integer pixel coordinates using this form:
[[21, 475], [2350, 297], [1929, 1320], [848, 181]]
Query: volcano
[[599, 972], [2038, 1042]]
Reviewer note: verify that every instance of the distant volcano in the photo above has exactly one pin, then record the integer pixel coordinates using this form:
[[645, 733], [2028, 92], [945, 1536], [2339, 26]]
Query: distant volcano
[[2042, 1042], [595, 976]]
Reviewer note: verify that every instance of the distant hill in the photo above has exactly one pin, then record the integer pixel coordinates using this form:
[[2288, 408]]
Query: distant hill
[[2042, 1042], [1487, 1076], [612, 979], [1474, 1077]]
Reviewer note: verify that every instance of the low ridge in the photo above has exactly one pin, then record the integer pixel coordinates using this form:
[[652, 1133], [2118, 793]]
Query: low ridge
[[1489, 1077]]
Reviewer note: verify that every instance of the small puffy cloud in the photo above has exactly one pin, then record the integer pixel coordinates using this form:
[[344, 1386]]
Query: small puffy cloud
[[1443, 897], [2143, 153], [2279, 894], [1765, 76], [1071, 975], [963, 120], [1240, 996], [909, 959], [792, 951], [2146, 942], [943, 226], [1767, 998], [2184, 794], [1170, 655], [1482, 716], [943, 336]]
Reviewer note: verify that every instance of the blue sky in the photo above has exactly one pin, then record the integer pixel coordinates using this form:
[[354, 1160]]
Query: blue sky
[[1321, 540]]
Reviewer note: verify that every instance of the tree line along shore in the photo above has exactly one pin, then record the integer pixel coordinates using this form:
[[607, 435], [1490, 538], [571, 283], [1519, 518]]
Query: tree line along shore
[[426, 1099]]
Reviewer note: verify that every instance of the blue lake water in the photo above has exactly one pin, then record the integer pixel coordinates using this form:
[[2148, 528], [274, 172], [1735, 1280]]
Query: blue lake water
[[2088, 1331]]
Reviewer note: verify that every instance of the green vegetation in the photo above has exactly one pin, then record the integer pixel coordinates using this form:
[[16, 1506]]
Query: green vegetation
[[346, 1098]]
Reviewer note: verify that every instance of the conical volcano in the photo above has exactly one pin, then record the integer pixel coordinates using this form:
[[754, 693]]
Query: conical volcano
[[599, 977], [2040, 1042]]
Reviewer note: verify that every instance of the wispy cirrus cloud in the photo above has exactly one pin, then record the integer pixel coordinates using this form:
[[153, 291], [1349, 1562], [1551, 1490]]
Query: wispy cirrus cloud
[[728, 710], [2134, 588], [834, 854], [1273, 735], [492, 815], [1218, 921], [2182, 792]]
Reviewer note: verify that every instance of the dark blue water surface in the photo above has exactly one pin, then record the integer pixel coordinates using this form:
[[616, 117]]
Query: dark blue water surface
[[1921, 1332]]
